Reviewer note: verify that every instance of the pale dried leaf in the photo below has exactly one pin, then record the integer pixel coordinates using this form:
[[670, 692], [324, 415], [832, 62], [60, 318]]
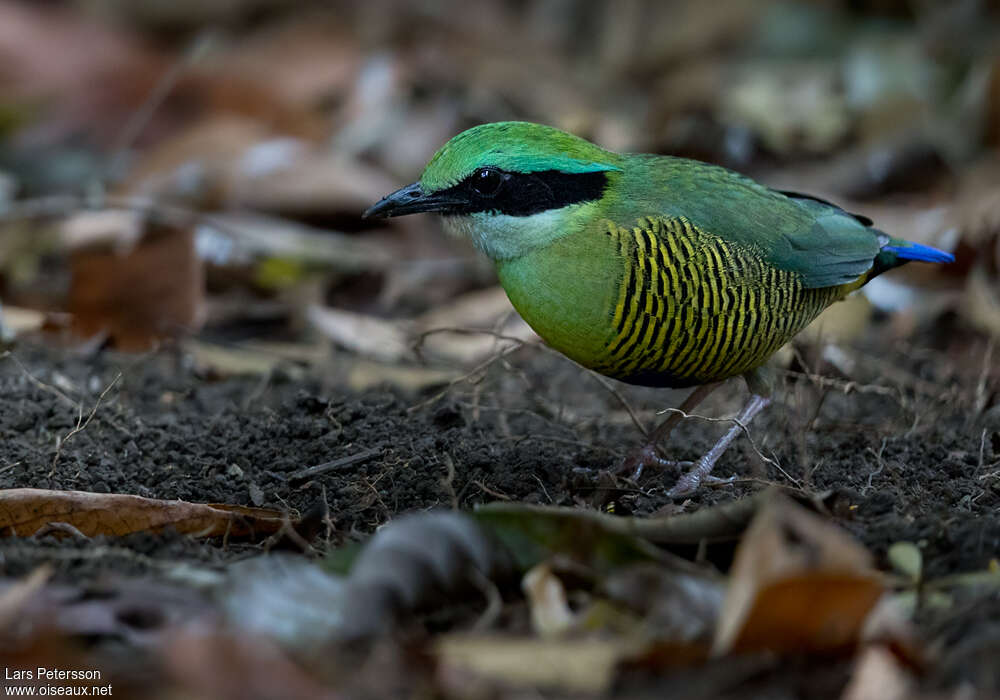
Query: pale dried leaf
[[249, 236], [570, 665], [14, 599], [551, 615], [363, 375], [906, 558], [982, 301], [19, 320], [487, 309], [250, 359], [366, 335], [119, 229], [840, 323], [878, 675], [306, 182]]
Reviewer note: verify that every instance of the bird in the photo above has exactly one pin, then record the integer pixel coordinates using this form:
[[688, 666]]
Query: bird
[[653, 270]]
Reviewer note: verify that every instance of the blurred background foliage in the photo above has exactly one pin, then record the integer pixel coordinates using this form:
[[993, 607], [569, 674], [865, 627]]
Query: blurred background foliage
[[173, 166]]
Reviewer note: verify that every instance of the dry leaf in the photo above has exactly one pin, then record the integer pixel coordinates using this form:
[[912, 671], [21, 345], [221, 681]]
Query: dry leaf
[[571, 665], [798, 583], [982, 301], [139, 297], [366, 335], [488, 309], [363, 375], [25, 511], [305, 183], [551, 615], [18, 320], [14, 599], [244, 237], [878, 675], [844, 322]]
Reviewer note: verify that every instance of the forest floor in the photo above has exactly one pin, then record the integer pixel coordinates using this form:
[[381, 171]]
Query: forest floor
[[907, 450]]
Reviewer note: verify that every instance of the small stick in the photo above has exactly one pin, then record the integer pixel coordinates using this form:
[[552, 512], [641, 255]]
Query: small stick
[[348, 461], [82, 424]]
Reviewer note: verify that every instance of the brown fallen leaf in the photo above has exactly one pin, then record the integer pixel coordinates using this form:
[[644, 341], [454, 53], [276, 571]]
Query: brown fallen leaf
[[152, 291], [798, 584], [24, 512]]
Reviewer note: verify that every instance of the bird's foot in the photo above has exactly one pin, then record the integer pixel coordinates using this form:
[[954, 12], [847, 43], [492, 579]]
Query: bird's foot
[[700, 474], [636, 462], [697, 477]]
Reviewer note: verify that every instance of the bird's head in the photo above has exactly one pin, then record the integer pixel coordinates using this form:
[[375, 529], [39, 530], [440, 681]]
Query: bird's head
[[509, 186]]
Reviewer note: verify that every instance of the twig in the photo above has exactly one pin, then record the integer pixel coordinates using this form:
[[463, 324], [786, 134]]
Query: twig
[[982, 451], [521, 342], [485, 364], [621, 399], [487, 489], [544, 490], [746, 431], [42, 385], [168, 81], [984, 374], [846, 386], [881, 465], [61, 528], [81, 425], [341, 463], [448, 482], [288, 530]]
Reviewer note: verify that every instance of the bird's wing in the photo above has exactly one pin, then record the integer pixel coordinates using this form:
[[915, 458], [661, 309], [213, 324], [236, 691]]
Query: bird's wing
[[861, 218], [834, 248], [811, 237]]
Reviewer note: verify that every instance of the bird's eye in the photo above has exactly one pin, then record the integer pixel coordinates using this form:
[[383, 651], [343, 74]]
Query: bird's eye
[[487, 181]]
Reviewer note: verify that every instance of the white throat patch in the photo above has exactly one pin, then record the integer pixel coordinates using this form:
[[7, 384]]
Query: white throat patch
[[504, 237]]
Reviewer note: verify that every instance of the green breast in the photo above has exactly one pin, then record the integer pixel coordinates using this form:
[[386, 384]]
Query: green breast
[[565, 291], [662, 303]]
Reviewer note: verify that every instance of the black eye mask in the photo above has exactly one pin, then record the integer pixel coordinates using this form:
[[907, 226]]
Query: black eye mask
[[521, 194]]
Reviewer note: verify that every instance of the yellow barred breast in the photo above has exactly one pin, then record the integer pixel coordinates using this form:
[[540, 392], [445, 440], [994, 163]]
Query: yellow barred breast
[[693, 308]]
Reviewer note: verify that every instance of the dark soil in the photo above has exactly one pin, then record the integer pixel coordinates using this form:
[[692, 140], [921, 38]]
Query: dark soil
[[911, 452]]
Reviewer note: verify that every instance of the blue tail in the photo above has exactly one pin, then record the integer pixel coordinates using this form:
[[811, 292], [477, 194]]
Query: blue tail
[[923, 253]]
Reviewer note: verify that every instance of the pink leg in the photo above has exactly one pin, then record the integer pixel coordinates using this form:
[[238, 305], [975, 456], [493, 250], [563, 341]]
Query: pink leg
[[689, 482], [646, 455]]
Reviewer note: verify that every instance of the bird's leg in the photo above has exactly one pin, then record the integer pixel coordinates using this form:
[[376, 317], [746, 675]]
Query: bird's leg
[[646, 455], [689, 482]]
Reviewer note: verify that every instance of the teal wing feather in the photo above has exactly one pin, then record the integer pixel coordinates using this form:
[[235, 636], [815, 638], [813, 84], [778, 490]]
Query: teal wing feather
[[820, 242], [836, 249]]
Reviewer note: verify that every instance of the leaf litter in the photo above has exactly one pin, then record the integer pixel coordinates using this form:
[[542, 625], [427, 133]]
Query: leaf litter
[[274, 470]]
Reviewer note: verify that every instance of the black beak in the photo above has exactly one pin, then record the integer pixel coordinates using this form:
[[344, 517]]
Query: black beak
[[411, 200]]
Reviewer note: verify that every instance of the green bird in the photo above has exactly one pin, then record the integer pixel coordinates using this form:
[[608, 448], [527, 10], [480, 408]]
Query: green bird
[[654, 270]]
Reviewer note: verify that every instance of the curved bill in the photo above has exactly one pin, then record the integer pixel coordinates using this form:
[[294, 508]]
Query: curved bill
[[411, 200]]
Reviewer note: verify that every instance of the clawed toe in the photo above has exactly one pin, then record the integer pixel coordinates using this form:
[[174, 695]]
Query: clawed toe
[[637, 461], [692, 480]]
